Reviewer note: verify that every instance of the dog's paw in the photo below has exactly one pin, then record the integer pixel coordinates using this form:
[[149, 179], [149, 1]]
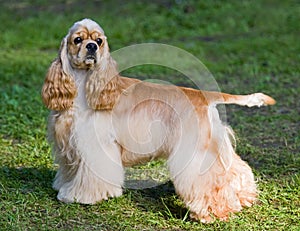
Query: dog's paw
[[260, 99], [67, 195], [203, 219], [64, 198]]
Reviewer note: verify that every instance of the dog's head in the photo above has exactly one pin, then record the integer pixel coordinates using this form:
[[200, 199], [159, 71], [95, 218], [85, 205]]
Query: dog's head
[[86, 44], [84, 52]]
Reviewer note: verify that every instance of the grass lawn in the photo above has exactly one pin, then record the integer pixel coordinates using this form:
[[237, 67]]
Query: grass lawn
[[249, 46]]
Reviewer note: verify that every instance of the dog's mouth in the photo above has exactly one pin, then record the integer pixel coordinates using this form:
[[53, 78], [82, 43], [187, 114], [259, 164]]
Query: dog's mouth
[[90, 59]]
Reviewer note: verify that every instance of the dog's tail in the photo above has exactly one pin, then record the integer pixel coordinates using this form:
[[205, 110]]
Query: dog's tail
[[215, 98], [256, 99]]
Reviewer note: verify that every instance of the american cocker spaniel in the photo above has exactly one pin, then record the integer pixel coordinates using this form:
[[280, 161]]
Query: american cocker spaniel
[[101, 122]]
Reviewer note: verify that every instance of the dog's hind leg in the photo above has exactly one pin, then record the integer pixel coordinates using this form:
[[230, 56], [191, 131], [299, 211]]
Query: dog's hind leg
[[214, 182]]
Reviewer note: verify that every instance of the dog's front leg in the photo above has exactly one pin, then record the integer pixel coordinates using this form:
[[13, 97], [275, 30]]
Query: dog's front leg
[[99, 173]]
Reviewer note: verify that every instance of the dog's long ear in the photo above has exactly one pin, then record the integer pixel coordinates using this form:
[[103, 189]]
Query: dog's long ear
[[59, 89], [103, 88]]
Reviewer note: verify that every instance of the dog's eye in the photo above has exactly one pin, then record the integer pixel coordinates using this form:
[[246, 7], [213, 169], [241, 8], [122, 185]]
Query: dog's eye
[[99, 41], [77, 40]]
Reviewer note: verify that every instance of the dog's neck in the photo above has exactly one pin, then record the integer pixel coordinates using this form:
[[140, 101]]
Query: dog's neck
[[81, 77]]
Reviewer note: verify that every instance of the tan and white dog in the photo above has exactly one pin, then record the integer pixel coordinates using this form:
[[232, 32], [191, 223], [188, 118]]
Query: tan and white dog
[[101, 122]]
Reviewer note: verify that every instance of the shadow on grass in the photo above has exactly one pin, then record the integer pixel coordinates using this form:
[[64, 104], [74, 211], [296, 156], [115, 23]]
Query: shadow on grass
[[27, 180], [35, 184], [159, 199]]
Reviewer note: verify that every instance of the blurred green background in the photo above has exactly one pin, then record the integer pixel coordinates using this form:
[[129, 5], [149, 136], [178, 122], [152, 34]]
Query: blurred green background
[[248, 46]]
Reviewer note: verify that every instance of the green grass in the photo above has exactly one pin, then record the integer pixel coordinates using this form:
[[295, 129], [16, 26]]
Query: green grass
[[249, 46]]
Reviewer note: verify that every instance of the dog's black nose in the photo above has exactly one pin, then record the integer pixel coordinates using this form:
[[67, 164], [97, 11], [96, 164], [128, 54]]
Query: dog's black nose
[[91, 47]]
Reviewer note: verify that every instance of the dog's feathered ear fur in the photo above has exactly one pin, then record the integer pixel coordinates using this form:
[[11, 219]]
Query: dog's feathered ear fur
[[59, 89], [103, 88]]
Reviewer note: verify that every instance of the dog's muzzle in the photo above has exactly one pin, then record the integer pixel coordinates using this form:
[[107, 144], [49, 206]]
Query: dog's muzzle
[[91, 57]]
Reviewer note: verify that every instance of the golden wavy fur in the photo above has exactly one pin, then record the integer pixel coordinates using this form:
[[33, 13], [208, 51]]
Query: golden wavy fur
[[101, 122]]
